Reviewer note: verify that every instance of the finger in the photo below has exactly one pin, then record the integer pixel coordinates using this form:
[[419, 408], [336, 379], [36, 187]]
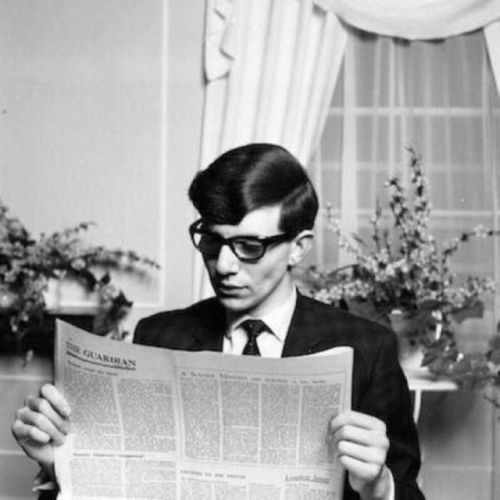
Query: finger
[[29, 434], [367, 454], [42, 423], [43, 407], [361, 470], [56, 399], [359, 435], [356, 419]]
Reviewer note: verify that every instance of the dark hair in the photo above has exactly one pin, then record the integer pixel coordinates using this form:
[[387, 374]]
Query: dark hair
[[255, 176]]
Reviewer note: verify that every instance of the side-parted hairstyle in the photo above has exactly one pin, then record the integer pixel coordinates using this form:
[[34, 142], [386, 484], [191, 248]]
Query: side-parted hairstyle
[[251, 177]]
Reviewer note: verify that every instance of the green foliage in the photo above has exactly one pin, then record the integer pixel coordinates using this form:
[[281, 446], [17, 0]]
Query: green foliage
[[27, 264], [403, 268]]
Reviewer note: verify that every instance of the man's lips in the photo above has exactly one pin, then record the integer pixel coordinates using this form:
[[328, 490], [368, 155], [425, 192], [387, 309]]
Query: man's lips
[[228, 289]]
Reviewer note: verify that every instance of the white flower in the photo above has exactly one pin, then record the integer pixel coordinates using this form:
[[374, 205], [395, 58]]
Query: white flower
[[78, 264], [323, 296]]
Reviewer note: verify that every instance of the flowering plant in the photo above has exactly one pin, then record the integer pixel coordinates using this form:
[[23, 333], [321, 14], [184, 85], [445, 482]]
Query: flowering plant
[[28, 264], [404, 269]]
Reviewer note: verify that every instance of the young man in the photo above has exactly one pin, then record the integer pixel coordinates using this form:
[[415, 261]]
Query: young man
[[257, 209]]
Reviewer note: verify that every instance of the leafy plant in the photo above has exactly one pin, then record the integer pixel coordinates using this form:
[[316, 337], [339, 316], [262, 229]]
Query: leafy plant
[[403, 268], [27, 264]]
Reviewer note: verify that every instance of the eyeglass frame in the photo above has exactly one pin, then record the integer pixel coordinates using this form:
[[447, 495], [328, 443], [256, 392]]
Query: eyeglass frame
[[265, 241]]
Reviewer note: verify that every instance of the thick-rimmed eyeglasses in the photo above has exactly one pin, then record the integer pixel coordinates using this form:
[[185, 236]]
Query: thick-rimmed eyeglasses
[[246, 248]]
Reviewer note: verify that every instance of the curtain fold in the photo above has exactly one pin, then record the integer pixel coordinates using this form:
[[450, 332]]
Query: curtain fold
[[417, 19], [271, 67], [492, 35], [424, 20]]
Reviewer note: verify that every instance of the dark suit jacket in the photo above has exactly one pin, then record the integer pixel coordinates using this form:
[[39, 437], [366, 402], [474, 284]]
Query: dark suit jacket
[[379, 385]]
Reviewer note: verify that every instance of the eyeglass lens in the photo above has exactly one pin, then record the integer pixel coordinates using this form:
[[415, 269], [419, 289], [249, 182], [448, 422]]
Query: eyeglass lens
[[244, 248]]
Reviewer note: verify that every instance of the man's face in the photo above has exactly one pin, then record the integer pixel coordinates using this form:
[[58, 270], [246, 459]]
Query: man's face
[[251, 287]]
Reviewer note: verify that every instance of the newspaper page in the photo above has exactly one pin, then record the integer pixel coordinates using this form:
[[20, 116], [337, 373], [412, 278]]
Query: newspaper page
[[153, 423]]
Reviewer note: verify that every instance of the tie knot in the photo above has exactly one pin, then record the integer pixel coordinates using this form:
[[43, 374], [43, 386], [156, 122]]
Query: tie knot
[[254, 327]]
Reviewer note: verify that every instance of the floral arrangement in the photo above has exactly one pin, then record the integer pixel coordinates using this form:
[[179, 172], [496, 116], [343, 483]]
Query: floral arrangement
[[27, 265], [404, 269]]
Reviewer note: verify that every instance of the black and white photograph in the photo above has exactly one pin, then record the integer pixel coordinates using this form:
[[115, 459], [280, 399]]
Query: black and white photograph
[[250, 249]]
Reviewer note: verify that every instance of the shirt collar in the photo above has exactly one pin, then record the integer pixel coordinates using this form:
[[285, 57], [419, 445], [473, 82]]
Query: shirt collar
[[278, 320]]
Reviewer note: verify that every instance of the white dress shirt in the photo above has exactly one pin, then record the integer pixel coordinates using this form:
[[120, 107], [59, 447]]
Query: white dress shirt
[[270, 342]]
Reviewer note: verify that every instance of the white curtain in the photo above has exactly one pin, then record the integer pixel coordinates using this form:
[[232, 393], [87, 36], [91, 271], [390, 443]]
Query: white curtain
[[441, 98], [417, 19], [492, 33], [425, 19], [271, 67]]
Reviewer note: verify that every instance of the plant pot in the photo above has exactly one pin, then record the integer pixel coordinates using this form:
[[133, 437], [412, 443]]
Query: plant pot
[[410, 349], [52, 294]]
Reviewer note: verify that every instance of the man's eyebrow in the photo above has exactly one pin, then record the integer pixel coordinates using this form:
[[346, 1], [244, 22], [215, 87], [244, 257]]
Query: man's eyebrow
[[244, 236], [250, 236]]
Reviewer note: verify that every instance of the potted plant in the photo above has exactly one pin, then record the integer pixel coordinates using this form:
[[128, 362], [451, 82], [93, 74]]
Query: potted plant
[[404, 279], [29, 266]]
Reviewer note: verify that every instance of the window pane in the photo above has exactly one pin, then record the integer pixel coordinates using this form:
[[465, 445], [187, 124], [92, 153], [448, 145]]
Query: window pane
[[440, 98]]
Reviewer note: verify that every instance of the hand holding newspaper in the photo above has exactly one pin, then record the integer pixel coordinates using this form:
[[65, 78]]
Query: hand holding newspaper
[[151, 423]]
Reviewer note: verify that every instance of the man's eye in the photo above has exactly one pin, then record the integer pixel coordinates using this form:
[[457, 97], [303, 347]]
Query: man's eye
[[248, 245]]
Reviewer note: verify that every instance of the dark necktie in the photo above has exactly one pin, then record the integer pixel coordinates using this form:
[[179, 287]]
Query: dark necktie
[[253, 328]]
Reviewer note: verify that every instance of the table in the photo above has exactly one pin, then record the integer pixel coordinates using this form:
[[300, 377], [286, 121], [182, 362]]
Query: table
[[421, 380]]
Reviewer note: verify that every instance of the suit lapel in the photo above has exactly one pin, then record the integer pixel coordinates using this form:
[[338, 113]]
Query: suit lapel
[[209, 327], [308, 332], [303, 337]]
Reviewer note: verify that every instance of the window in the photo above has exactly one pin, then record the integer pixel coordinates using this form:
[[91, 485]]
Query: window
[[439, 97]]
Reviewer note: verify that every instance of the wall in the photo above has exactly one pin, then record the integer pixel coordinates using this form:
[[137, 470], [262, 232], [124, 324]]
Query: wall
[[100, 116], [459, 438], [100, 107], [100, 120]]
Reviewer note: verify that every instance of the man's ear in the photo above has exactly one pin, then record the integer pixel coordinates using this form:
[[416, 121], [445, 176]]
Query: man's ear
[[301, 245]]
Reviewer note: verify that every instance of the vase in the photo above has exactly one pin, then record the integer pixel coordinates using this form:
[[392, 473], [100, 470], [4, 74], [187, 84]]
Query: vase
[[406, 328], [52, 294]]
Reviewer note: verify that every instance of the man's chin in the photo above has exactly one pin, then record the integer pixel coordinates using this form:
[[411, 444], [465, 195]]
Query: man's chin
[[234, 304]]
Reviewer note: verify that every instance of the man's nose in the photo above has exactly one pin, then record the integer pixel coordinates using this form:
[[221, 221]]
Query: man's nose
[[227, 262]]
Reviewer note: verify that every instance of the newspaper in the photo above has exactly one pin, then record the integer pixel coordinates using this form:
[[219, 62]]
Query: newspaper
[[153, 423]]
